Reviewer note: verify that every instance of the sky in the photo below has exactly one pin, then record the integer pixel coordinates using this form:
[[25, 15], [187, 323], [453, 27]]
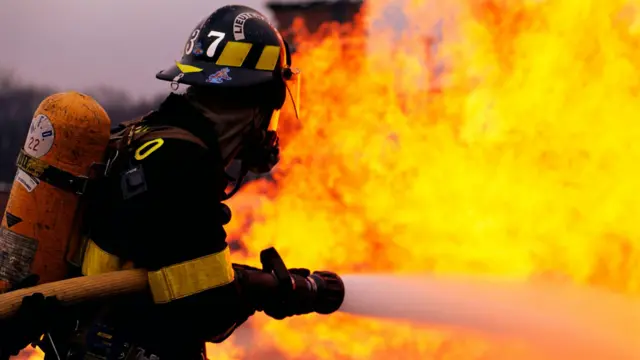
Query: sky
[[75, 44]]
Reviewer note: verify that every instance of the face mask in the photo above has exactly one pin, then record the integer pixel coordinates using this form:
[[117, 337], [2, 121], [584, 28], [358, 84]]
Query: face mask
[[232, 126], [242, 134]]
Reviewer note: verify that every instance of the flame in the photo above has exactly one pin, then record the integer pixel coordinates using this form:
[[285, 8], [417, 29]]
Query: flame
[[30, 353], [509, 150]]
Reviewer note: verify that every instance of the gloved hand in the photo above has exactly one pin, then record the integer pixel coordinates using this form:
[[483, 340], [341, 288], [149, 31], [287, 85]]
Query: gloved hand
[[34, 318], [280, 292], [298, 302], [27, 282]]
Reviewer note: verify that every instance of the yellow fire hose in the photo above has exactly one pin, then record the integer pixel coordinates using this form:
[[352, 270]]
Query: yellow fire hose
[[80, 289]]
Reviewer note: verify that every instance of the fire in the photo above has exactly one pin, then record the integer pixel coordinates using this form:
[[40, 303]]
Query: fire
[[517, 160]]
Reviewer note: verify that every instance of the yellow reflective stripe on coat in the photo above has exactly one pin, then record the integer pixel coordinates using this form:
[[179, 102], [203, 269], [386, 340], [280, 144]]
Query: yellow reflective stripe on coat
[[97, 261], [191, 277]]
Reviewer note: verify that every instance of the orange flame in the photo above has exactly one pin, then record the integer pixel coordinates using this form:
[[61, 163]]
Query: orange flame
[[518, 160]]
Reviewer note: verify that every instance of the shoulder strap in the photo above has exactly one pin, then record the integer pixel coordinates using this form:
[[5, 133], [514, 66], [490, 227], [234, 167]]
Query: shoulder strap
[[168, 132], [135, 131], [136, 121], [119, 131], [122, 136]]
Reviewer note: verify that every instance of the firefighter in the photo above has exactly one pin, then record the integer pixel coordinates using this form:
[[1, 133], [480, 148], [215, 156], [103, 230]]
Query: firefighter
[[160, 206]]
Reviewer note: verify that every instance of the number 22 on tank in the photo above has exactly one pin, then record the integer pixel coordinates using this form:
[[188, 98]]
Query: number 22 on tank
[[41, 136]]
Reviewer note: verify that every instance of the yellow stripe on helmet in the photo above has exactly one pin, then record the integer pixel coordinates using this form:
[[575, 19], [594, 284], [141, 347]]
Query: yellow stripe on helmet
[[269, 58], [234, 53], [186, 69]]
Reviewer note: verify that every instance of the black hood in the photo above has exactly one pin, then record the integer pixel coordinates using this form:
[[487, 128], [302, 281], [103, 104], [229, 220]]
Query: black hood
[[177, 111]]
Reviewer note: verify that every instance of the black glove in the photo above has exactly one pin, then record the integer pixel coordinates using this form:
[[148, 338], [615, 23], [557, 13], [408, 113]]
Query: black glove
[[298, 302], [27, 282], [35, 317], [282, 292]]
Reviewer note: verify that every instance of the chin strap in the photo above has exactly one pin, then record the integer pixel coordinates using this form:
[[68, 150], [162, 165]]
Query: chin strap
[[237, 183]]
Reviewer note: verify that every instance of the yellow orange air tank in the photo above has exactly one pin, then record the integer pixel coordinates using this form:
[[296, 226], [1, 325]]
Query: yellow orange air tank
[[68, 136]]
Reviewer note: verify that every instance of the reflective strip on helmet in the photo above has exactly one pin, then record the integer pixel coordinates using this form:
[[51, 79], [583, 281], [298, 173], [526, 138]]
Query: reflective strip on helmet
[[234, 54], [268, 58], [188, 68], [191, 277], [97, 261]]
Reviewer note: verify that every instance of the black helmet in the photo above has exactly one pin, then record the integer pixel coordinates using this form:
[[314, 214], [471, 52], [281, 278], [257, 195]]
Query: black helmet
[[236, 46]]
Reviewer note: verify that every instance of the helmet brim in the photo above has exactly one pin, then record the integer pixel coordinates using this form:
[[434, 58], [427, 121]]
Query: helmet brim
[[200, 73]]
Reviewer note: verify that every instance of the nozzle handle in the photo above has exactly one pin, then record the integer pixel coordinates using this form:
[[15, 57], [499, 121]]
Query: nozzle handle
[[272, 263]]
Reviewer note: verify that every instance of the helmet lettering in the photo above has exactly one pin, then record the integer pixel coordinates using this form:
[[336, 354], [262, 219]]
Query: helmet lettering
[[238, 24]]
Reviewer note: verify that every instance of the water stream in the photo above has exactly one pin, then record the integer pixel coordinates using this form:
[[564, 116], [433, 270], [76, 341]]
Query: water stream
[[562, 322]]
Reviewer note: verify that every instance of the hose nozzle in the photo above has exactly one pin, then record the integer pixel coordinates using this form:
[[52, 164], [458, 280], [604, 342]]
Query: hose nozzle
[[329, 290], [291, 291]]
